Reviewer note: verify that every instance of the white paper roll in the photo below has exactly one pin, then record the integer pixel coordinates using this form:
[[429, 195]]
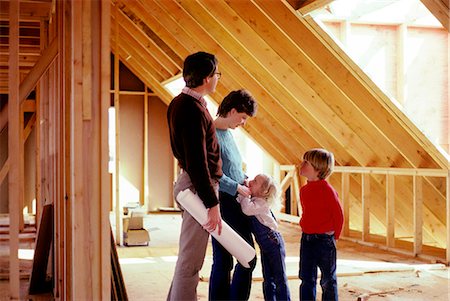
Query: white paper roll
[[229, 239]]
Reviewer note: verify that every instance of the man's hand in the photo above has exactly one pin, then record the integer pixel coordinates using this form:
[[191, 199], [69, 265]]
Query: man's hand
[[243, 190], [214, 220]]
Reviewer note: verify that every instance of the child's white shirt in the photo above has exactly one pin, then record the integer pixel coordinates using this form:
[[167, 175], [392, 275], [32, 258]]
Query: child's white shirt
[[259, 208]]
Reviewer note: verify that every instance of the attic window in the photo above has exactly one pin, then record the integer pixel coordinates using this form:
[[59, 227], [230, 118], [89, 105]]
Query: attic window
[[403, 48]]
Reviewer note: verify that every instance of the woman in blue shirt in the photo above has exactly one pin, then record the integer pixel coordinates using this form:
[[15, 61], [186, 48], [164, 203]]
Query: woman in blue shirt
[[233, 112]]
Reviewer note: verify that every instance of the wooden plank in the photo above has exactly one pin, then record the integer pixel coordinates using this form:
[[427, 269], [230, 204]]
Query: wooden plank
[[441, 10], [116, 175], [4, 171], [418, 214], [286, 182], [308, 6], [38, 70], [402, 30], [15, 151], [105, 186], [146, 167], [186, 29], [28, 106], [307, 84], [154, 68], [366, 198], [390, 211], [156, 58], [425, 172], [447, 210], [87, 61], [295, 204], [39, 283], [27, 130], [4, 116], [345, 198]]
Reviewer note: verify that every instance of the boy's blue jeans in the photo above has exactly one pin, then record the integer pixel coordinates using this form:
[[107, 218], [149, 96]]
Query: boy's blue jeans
[[273, 254], [318, 251]]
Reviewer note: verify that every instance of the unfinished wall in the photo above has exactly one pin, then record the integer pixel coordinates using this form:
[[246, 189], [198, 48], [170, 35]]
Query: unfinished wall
[[160, 163], [131, 148]]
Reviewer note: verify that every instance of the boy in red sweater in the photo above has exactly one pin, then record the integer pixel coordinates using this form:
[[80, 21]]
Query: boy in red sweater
[[321, 224]]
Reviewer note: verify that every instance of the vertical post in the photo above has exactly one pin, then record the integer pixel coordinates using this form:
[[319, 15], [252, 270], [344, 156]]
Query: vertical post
[[366, 206], [14, 150], [105, 185], [390, 210], [146, 188], [116, 175], [418, 209], [346, 202], [447, 255]]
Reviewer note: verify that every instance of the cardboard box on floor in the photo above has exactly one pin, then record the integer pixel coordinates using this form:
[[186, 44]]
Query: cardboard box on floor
[[134, 232]]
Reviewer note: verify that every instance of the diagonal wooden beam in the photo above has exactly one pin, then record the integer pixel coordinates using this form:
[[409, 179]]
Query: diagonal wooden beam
[[440, 9], [307, 6], [38, 70], [4, 171], [3, 117]]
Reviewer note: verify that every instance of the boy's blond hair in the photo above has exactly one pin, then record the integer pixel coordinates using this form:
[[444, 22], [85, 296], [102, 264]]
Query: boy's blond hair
[[322, 161]]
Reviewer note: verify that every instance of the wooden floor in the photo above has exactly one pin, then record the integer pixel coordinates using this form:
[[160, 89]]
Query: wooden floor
[[148, 270], [361, 270]]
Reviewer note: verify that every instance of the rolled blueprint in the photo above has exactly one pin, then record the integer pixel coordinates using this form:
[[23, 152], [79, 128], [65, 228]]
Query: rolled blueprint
[[229, 239]]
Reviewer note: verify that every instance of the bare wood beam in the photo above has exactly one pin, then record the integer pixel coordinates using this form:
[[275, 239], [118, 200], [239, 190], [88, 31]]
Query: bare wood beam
[[15, 151], [28, 106], [346, 202], [307, 6], [145, 171], [27, 130], [4, 117], [447, 209], [441, 10], [365, 206], [105, 184], [286, 181], [116, 174], [390, 211], [4, 171], [38, 70], [418, 214]]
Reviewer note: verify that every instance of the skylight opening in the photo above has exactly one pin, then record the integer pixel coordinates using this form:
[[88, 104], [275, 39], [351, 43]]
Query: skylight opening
[[403, 48]]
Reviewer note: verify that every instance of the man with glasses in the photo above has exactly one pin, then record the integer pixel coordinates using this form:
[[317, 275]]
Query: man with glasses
[[195, 146]]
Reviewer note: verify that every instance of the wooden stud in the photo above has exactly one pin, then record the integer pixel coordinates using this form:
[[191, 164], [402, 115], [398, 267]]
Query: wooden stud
[[447, 252], [390, 211], [345, 198], [418, 214], [15, 151], [116, 175], [366, 206], [402, 30], [105, 185], [38, 70], [145, 177], [87, 60]]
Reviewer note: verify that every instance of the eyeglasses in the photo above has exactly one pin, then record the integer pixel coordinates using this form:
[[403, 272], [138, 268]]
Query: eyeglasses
[[219, 74]]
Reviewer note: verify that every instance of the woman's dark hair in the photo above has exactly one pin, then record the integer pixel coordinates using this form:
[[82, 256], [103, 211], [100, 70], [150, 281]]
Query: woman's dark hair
[[197, 67], [241, 101]]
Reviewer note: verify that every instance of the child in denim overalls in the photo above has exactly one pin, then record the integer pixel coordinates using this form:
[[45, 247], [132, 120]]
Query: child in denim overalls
[[321, 223], [264, 195]]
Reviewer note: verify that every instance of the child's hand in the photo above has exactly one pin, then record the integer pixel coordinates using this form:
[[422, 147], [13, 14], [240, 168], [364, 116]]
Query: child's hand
[[243, 190]]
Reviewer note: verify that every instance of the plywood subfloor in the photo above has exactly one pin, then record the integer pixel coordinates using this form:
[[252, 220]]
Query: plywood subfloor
[[148, 270]]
